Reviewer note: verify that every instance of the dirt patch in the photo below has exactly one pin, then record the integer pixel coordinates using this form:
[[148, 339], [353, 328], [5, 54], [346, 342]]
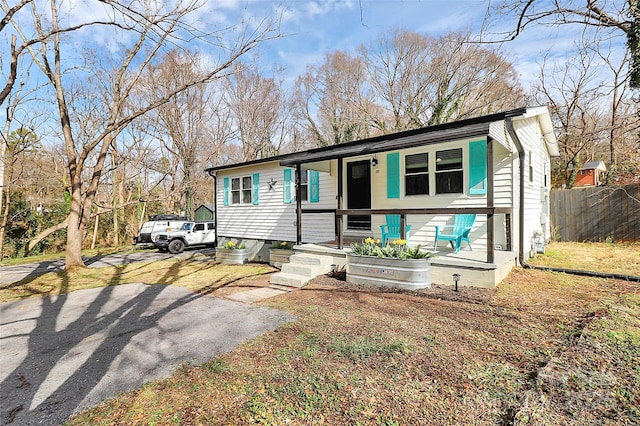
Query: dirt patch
[[436, 291]]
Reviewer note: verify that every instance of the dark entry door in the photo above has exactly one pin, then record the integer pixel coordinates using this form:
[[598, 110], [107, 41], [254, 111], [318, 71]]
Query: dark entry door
[[359, 193]]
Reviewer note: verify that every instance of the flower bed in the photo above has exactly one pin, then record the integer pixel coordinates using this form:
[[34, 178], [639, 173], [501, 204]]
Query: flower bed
[[395, 265], [232, 253], [279, 253]]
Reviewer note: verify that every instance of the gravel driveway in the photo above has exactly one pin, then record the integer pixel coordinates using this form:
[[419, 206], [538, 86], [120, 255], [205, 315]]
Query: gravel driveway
[[61, 355]]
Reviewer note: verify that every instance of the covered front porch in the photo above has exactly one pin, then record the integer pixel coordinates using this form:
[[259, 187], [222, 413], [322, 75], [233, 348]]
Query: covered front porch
[[375, 179]]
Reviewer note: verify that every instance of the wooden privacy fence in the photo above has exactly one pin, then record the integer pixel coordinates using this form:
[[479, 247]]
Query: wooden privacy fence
[[596, 214]]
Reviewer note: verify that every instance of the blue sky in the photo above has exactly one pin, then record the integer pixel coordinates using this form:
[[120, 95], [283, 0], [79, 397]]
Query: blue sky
[[313, 28]]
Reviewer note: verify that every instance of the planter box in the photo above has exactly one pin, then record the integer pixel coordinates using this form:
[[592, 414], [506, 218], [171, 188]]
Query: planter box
[[279, 256], [383, 271], [232, 256]]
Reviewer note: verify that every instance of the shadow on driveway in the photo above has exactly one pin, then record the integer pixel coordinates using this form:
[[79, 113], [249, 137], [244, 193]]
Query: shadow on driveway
[[63, 354]]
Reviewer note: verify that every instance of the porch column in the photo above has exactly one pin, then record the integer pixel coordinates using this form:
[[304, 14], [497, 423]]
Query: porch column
[[490, 202], [298, 205], [339, 218]]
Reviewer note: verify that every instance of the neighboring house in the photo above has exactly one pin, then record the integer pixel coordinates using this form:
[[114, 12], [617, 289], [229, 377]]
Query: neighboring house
[[204, 212], [497, 166], [590, 174]]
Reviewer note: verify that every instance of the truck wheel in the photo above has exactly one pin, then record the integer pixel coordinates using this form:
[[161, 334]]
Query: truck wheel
[[176, 246]]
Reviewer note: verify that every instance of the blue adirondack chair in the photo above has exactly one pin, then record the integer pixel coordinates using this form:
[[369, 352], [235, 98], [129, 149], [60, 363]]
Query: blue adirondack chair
[[459, 231], [392, 229]]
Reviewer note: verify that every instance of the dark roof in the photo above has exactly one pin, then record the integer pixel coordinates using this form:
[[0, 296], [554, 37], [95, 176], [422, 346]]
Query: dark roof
[[472, 127]]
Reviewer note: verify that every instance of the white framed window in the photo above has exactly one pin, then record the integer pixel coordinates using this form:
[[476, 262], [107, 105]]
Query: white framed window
[[530, 166], [416, 174], [304, 185], [449, 172], [241, 190]]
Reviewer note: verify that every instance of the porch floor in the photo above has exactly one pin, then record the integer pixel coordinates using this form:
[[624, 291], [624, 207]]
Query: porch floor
[[472, 266]]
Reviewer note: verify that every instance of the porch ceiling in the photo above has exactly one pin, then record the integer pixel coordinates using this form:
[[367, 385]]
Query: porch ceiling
[[388, 143]]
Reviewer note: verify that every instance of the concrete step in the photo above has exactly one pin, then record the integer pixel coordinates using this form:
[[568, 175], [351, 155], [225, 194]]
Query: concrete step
[[301, 269], [289, 280], [305, 270], [311, 259]]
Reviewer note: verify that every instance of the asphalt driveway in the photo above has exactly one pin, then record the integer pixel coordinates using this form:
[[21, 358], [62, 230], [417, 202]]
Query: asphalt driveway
[[62, 354]]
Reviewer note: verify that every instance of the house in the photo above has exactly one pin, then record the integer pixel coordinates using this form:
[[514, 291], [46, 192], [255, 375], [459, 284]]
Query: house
[[204, 212], [590, 174], [496, 166]]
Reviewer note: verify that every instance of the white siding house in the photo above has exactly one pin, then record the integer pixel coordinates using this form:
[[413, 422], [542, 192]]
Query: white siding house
[[268, 211], [497, 166]]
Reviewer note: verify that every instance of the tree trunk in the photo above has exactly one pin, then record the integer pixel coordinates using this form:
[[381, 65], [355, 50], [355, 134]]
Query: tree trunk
[[75, 229], [95, 232], [5, 219], [144, 211], [116, 239]]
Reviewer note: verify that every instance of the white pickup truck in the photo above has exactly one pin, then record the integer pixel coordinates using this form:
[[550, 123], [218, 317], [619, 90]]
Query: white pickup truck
[[190, 234]]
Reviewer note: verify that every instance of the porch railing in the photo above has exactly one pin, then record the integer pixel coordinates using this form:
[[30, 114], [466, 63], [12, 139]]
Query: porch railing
[[490, 212]]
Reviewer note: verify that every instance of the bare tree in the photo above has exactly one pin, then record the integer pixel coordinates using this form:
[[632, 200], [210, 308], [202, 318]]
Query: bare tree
[[573, 98], [617, 17], [184, 124], [331, 102], [469, 80], [258, 106], [398, 67], [150, 28], [18, 144], [426, 81], [622, 122]]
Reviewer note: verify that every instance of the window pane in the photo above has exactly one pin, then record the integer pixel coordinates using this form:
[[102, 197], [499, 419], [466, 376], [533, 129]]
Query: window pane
[[199, 227], [235, 197], [304, 193], [417, 163], [359, 171], [416, 184], [246, 182], [246, 196], [450, 159], [449, 182], [210, 226], [304, 176], [235, 183]]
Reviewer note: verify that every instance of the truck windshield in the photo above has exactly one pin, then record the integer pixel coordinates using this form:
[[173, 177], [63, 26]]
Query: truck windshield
[[187, 226]]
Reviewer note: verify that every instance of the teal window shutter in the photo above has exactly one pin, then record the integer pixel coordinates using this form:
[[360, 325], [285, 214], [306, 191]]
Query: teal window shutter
[[288, 187], [478, 167], [226, 191], [314, 186], [393, 175], [255, 189]]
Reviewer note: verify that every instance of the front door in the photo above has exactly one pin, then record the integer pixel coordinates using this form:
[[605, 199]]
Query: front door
[[359, 193]]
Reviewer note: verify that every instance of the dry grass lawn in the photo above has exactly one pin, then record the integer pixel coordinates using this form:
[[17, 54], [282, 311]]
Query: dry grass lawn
[[544, 349], [198, 274], [600, 257]]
